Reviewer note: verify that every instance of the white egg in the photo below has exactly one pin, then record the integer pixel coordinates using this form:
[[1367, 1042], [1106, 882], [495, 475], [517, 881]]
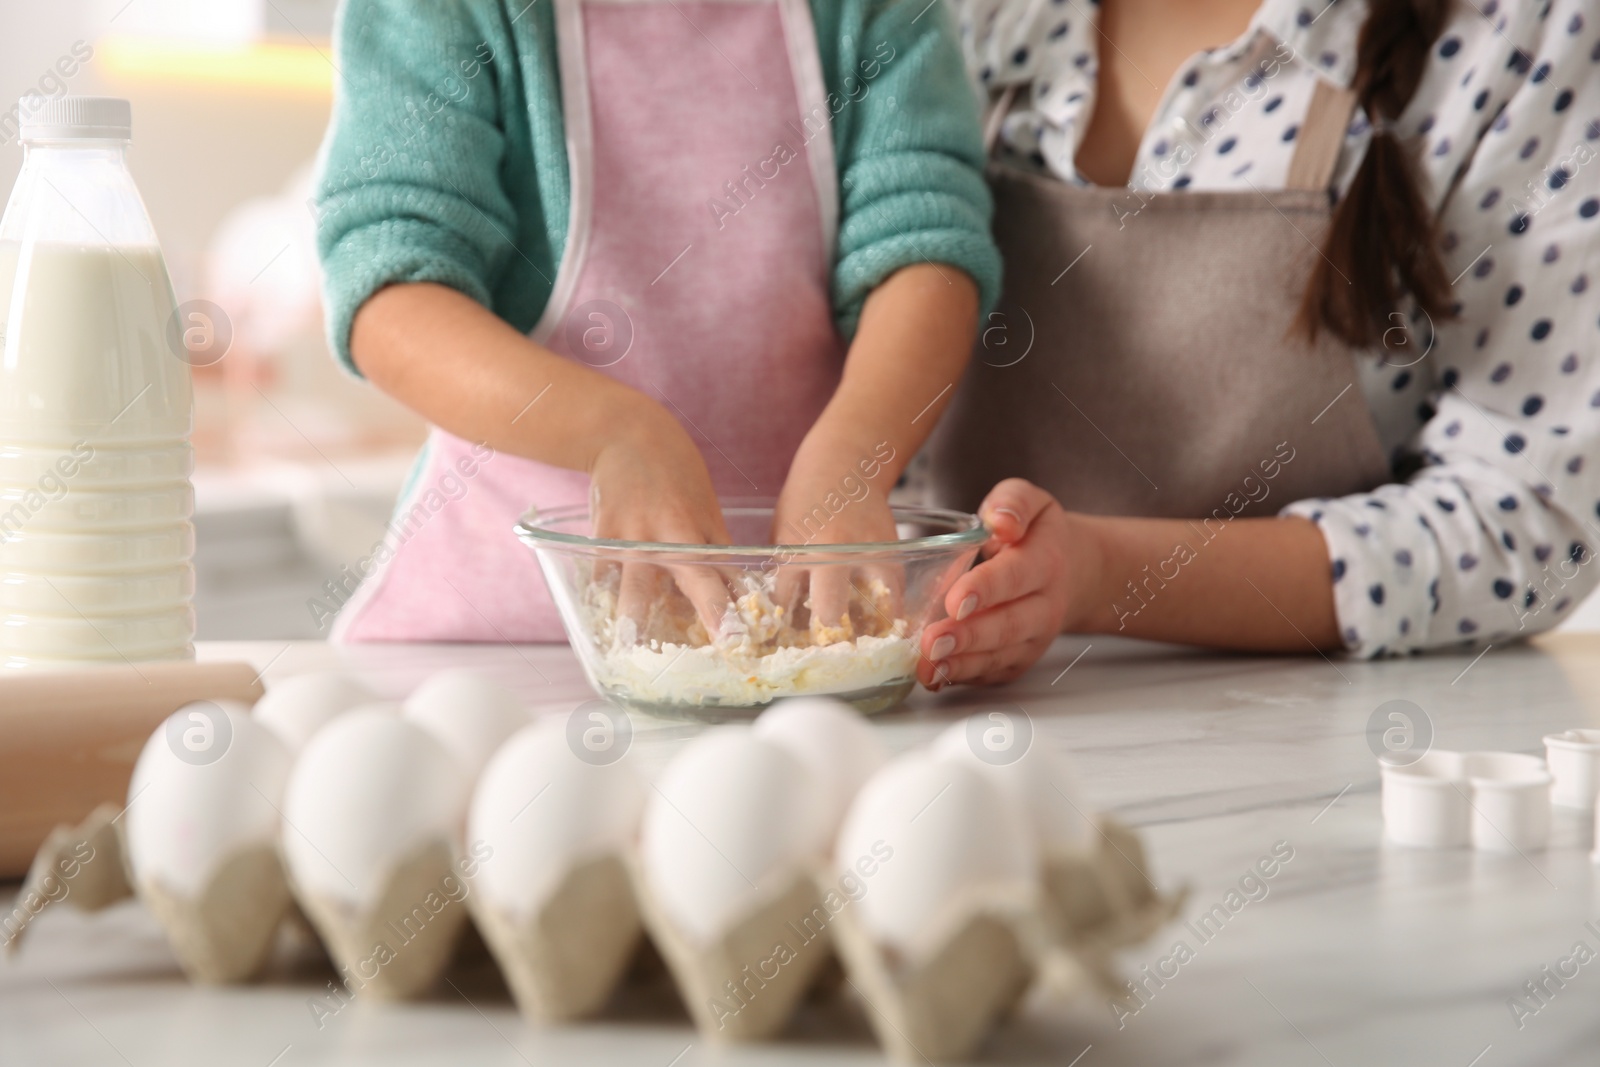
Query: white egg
[[835, 743], [391, 708], [207, 784], [938, 839], [297, 707], [541, 811], [731, 822], [470, 714], [368, 790], [1040, 780]]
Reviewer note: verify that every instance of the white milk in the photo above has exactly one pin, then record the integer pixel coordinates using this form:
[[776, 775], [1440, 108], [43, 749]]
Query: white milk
[[88, 336], [95, 405], [95, 501]]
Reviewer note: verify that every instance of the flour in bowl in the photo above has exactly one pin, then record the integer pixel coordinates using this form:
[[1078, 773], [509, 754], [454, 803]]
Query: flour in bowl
[[758, 656]]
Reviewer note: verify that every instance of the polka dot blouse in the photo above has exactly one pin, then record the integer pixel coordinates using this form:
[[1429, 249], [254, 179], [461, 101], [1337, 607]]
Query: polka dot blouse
[[1491, 418]]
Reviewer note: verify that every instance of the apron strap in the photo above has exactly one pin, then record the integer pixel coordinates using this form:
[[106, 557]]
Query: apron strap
[[999, 108], [1317, 148], [1321, 137]]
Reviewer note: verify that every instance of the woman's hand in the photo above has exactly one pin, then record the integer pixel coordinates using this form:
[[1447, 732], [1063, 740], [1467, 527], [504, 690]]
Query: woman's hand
[[1005, 612], [1258, 585], [650, 483]]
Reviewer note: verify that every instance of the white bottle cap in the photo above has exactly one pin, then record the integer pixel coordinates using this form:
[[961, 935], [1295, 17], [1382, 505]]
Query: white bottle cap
[[72, 118]]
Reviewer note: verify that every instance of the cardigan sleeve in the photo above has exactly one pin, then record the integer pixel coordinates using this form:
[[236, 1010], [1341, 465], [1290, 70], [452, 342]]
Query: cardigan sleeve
[[408, 186], [910, 154]]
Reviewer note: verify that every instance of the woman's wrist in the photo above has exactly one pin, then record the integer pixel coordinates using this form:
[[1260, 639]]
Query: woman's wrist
[[1092, 573]]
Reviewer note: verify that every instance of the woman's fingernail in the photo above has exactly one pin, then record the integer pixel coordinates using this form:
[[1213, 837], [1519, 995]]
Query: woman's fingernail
[[1016, 518], [941, 674], [968, 606], [942, 648]]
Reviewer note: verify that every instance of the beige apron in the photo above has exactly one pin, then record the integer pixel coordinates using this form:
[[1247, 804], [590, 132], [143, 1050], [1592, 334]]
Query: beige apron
[[1142, 360]]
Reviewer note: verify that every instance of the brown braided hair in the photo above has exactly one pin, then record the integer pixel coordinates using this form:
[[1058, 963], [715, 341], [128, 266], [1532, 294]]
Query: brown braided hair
[[1383, 240]]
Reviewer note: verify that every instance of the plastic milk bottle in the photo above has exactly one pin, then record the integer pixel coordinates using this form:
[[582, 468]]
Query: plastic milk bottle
[[96, 543]]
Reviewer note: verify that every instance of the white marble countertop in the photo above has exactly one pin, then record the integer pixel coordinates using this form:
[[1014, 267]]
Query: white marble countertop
[[1360, 953]]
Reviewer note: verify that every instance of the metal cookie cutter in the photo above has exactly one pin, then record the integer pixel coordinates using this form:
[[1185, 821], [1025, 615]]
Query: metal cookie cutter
[[1496, 801]]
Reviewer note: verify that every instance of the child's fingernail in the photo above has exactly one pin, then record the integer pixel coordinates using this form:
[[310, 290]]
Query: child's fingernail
[[941, 674], [1014, 517], [942, 648], [968, 606]]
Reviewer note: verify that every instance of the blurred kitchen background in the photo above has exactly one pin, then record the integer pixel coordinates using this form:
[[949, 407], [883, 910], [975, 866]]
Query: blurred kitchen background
[[299, 465]]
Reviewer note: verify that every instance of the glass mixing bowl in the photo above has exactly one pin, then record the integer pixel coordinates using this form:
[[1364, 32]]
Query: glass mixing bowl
[[745, 633]]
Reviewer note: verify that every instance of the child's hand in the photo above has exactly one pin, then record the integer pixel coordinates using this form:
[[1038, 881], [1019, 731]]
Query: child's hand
[[828, 500], [1005, 612], [649, 483]]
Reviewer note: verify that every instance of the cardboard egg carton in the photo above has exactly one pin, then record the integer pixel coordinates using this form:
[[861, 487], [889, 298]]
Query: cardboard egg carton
[[938, 1006], [1055, 920], [398, 946], [224, 934], [565, 959], [84, 864], [1102, 901], [746, 984]]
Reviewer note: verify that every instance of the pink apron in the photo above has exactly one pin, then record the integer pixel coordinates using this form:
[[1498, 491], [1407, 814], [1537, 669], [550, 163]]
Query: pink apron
[[696, 269]]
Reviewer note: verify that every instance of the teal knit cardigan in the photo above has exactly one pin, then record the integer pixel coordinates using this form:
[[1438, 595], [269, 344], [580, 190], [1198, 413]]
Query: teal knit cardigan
[[446, 160]]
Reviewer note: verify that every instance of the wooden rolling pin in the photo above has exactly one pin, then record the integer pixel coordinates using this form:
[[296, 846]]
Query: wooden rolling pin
[[68, 739]]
